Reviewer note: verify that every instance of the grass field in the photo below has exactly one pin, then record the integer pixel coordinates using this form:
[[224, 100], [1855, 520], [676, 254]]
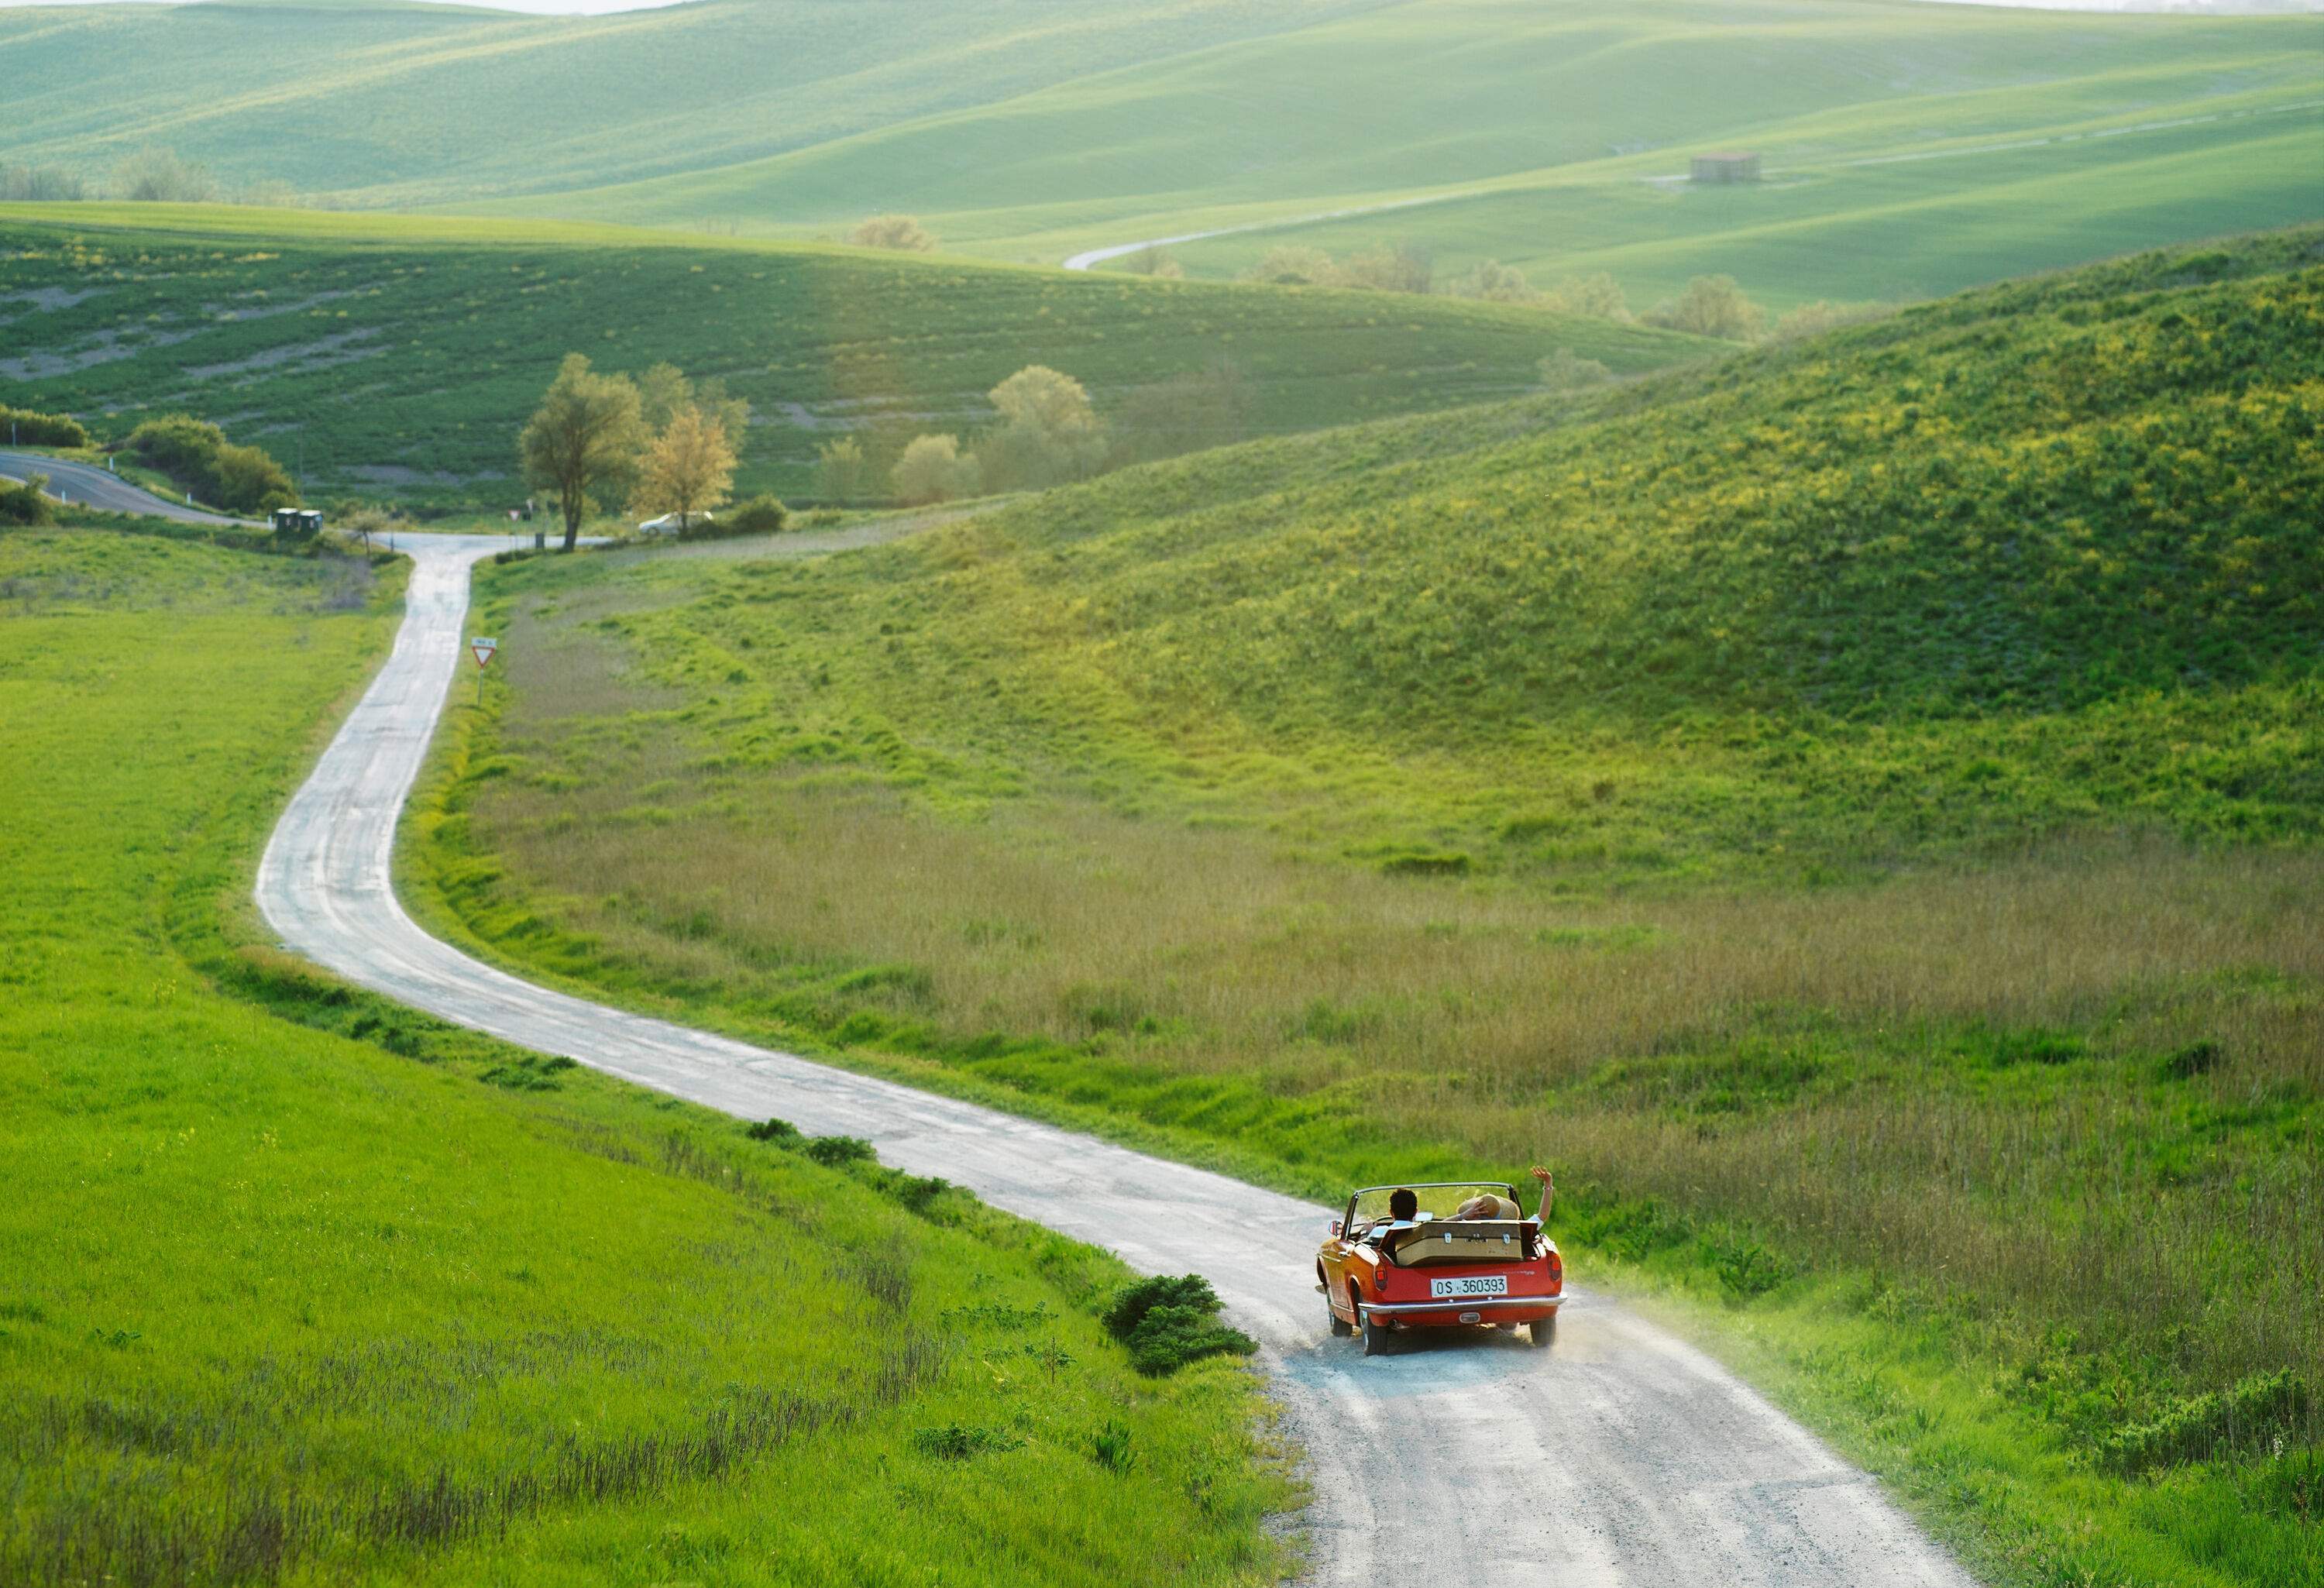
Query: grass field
[[294, 1285], [1852, 808], [1913, 150], [399, 357], [388, 104]]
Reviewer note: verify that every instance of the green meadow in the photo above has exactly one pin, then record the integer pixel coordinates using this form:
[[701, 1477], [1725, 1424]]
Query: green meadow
[[1911, 149], [388, 104], [1853, 808], [398, 357], [298, 1286]]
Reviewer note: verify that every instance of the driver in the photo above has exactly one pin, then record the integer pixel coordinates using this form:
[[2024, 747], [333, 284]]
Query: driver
[[1403, 1205]]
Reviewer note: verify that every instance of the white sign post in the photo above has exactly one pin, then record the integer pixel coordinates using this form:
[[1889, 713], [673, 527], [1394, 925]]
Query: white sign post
[[482, 650]]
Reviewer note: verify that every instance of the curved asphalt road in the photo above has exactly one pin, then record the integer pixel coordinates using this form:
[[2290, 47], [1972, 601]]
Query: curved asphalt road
[[95, 487], [1622, 1456]]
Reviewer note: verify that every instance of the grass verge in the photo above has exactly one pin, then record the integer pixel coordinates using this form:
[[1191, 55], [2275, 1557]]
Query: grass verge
[[300, 1286]]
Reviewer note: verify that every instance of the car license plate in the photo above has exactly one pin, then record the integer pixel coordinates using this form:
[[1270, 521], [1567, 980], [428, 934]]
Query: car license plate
[[1470, 1285]]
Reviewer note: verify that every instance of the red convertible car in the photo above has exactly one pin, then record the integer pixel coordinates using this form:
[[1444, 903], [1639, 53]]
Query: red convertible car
[[1381, 1273]]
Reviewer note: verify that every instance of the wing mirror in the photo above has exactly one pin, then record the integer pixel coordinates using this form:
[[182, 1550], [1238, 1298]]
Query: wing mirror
[[1335, 1229]]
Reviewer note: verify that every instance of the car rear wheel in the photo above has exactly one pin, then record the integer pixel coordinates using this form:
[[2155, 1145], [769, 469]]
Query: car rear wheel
[[1376, 1333], [1544, 1332]]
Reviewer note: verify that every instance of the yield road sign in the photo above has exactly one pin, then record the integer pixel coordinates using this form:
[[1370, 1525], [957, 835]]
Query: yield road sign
[[484, 649]]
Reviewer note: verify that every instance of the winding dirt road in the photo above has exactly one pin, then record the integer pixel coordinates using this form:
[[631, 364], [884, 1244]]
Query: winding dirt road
[[1622, 1456]]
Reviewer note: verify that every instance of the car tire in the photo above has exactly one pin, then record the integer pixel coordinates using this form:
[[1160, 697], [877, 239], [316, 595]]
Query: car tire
[[1544, 1332], [1375, 1335]]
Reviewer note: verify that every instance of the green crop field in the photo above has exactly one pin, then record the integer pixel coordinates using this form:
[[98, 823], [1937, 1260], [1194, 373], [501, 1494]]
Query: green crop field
[[1853, 808], [296, 1286], [400, 356], [1912, 148], [388, 104]]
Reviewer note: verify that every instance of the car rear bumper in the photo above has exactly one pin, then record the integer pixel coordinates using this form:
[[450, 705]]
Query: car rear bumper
[[1450, 1311]]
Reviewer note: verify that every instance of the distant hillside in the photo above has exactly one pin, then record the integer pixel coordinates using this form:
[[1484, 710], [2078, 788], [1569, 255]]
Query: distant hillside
[[403, 355], [395, 104], [1911, 150], [2034, 558]]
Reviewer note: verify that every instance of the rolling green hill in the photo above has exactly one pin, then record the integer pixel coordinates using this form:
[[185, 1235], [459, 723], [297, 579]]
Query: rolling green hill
[[292, 1286], [1854, 808], [1913, 150], [401, 354], [391, 104]]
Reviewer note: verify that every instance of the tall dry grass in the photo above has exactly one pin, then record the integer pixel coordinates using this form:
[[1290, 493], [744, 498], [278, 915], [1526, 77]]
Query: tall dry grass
[[1960, 1076]]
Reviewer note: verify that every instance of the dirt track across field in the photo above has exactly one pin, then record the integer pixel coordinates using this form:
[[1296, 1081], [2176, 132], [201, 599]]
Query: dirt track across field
[[1620, 1456]]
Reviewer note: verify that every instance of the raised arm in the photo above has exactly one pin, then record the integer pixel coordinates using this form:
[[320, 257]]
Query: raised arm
[[1548, 1192]]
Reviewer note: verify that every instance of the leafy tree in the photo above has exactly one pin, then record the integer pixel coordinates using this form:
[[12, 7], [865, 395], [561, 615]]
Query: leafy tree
[[1495, 282], [582, 439], [1598, 295], [664, 388], [1566, 371], [247, 480], [1288, 264], [23, 427], [39, 184], [197, 455], [157, 176], [1151, 261], [1048, 435], [841, 472], [686, 470], [1711, 305], [23, 504], [1404, 267], [369, 521], [903, 231], [933, 469], [1205, 407]]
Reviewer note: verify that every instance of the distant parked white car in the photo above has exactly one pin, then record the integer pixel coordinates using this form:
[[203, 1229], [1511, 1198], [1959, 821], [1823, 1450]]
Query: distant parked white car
[[667, 524]]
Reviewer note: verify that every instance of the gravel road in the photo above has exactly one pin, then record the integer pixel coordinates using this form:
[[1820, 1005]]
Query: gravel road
[[1620, 1456], [95, 487]]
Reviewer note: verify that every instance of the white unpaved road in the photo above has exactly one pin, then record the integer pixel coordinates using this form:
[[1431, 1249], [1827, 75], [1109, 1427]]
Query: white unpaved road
[[1620, 1456]]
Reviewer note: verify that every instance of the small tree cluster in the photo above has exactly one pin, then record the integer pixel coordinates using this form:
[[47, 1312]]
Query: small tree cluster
[[24, 504], [1049, 434], [669, 443], [900, 232], [1152, 260], [20, 427], [199, 456], [1399, 267], [157, 176], [41, 184], [1567, 371], [1711, 305]]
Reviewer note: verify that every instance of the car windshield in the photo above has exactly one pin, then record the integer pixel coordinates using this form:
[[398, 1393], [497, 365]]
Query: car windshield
[[1436, 1201]]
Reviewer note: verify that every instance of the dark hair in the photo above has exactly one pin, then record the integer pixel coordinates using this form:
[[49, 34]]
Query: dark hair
[[1403, 1204]]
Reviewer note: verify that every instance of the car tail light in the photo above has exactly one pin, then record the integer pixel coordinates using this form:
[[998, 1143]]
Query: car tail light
[[1556, 1271]]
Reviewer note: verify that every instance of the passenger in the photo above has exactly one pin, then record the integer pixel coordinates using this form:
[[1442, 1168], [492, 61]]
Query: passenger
[[1485, 1206]]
